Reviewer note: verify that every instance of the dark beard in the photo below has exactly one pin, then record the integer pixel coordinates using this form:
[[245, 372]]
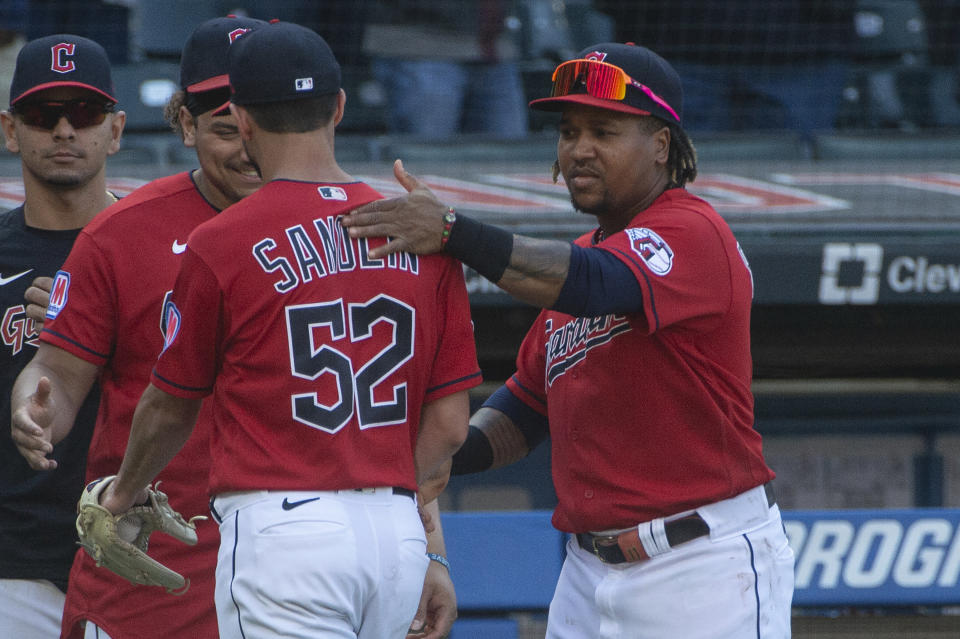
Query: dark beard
[[600, 209], [66, 181]]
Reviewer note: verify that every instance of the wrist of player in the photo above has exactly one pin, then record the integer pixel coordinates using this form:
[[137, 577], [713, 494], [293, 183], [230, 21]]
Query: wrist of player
[[475, 455], [439, 559], [483, 247], [118, 501], [113, 502]]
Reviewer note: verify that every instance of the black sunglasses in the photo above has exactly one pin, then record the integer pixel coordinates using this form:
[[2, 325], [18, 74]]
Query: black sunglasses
[[45, 114]]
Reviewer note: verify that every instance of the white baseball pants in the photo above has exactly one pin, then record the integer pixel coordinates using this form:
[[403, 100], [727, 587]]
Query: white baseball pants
[[333, 564], [736, 583]]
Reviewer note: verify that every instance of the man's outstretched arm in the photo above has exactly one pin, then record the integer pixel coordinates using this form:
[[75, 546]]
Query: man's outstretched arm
[[530, 269], [583, 282], [45, 400]]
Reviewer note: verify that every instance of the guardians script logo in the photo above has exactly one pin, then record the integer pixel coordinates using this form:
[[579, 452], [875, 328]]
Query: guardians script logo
[[569, 344], [17, 329]]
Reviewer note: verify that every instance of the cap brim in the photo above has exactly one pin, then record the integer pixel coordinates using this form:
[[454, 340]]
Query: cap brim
[[53, 85], [216, 82], [223, 109], [557, 104]]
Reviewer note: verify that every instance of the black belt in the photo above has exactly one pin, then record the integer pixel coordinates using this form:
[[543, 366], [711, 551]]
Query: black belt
[[618, 549]]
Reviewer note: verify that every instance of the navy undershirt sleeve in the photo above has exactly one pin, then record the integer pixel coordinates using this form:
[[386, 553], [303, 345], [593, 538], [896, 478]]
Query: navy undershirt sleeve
[[532, 424], [598, 284]]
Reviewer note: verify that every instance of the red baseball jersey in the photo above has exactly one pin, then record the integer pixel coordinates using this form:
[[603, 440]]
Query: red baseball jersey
[[651, 414], [318, 358], [108, 304]]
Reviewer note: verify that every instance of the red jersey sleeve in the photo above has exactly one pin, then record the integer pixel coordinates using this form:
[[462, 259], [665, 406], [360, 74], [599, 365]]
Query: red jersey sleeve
[[194, 315], [455, 367], [528, 384], [84, 320], [681, 260]]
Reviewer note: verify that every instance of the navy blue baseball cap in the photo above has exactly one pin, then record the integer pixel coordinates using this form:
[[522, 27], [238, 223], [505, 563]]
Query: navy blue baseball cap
[[619, 77], [61, 60], [203, 62], [279, 62]]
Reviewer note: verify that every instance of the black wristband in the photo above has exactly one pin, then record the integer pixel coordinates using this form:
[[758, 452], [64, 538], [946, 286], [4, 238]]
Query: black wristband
[[483, 247], [474, 456]]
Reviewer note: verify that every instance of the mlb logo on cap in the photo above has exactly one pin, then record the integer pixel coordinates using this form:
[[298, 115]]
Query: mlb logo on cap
[[281, 61]]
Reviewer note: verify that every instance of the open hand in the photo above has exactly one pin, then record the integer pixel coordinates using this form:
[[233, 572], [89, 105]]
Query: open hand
[[30, 427], [413, 222]]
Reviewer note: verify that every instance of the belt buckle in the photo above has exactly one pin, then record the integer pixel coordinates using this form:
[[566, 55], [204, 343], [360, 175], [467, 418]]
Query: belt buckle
[[602, 541]]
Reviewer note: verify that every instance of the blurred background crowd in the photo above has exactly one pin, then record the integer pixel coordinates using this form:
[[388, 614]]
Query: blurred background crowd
[[435, 68]]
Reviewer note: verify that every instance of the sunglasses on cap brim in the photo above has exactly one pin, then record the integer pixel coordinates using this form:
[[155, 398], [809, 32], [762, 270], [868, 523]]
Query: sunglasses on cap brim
[[46, 114], [600, 80]]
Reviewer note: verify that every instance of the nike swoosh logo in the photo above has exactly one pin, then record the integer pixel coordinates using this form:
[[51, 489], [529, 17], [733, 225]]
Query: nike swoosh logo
[[179, 248], [7, 280], [290, 505]]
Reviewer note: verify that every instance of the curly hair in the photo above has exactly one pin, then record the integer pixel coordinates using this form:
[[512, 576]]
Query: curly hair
[[171, 112]]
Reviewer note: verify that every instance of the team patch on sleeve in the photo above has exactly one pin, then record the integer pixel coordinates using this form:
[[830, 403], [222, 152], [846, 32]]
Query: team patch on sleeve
[[59, 293], [652, 249], [171, 323]]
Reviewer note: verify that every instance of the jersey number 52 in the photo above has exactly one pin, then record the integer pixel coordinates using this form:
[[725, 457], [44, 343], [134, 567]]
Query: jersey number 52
[[346, 325]]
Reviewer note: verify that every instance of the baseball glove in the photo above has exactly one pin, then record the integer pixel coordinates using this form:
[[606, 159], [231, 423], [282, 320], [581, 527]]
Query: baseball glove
[[119, 542]]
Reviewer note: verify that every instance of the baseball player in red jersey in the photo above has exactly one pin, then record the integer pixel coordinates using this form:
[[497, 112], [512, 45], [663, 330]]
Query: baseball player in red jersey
[[639, 369], [338, 383], [106, 322]]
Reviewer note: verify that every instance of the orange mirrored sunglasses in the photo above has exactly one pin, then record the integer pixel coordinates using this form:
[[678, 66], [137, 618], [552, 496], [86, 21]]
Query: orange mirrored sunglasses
[[601, 80]]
